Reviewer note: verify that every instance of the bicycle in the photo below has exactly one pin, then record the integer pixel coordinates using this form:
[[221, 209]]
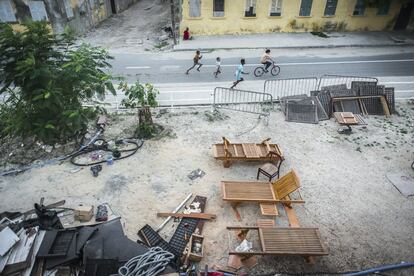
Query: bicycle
[[259, 71]]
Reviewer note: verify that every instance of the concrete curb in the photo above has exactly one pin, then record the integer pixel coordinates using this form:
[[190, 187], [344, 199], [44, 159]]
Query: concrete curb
[[297, 47]]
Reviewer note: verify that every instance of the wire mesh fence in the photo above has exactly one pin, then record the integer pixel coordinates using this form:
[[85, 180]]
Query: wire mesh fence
[[242, 100], [289, 87]]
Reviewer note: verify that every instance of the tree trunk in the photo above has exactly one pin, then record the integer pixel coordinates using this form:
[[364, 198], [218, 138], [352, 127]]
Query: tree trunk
[[144, 115]]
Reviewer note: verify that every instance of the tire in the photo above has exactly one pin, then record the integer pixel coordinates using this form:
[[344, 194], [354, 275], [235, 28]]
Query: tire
[[259, 71], [275, 70]]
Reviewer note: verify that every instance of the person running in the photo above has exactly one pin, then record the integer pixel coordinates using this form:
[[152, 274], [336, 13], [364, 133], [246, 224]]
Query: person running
[[239, 72], [266, 60], [218, 67], [196, 60]]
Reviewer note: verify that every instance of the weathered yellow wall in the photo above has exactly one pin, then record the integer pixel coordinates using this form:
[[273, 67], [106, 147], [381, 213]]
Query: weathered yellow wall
[[234, 21]]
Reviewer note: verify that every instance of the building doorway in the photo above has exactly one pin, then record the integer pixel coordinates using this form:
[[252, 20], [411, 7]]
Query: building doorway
[[404, 16], [113, 7]]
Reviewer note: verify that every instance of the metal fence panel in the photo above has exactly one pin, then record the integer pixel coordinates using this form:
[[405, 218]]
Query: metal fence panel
[[330, 80], [242, 100], [289, 87]]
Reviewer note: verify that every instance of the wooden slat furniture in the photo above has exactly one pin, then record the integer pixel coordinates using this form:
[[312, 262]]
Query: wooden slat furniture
[[267, 194], [286, 241], [228, 152], [382, 98]]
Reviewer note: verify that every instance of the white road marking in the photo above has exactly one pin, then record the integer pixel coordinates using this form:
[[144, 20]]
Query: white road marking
[[138, 67]]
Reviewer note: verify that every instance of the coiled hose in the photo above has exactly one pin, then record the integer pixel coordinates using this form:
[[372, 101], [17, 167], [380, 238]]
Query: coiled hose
[[151, 263]]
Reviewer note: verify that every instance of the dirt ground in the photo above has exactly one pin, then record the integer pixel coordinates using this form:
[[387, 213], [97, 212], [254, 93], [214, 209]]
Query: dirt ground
[[363, 219], [138, 28]]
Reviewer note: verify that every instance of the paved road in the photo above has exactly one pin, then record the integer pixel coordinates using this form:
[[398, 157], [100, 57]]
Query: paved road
[[166, 71]]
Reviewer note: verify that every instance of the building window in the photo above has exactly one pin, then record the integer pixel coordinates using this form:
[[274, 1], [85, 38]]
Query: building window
[[68, 8], [384, 7], [330, 7], [218, 8], [305, 8], [6, 12], [195, 8], [276, 8], [250, 10], [359, 7], [37, 10]]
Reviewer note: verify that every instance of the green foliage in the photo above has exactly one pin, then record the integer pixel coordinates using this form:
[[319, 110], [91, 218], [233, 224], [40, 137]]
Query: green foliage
[[46, 81], [139, 95]]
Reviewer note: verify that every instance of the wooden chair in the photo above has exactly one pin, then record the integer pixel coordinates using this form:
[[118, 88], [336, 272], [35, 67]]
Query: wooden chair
[[271, 169], [228, 152]]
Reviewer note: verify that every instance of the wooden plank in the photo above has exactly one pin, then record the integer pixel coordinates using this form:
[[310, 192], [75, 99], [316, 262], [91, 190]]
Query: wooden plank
[[191, 215], [264, 223], [291, 214], [250, 151], [248, 191], [269, 209], [385, 106], [236, 212]]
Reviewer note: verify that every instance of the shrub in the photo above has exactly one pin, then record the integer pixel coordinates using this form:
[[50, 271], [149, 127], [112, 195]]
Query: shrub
[[46, 81]]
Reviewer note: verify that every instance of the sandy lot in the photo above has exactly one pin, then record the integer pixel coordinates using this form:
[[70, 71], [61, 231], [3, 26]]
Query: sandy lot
[[363, 219]]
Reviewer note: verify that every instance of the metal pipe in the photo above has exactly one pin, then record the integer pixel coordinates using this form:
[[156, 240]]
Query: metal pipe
[[382, 268], [175, 211]]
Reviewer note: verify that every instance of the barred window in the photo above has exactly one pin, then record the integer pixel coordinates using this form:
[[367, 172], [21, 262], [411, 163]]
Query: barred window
[[330, 7], [6, 12], [384, 7], [37, 10], [218, 8], [250, 10], [305, 8], [276, 8], [195, 8], [359, 8]]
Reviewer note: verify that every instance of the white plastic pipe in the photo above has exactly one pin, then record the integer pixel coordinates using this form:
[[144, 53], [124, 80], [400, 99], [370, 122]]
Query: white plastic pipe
[[175, 211]]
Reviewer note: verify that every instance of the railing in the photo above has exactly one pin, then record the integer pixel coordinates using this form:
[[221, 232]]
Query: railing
[[243, 101], [288, 87], [328, 80]]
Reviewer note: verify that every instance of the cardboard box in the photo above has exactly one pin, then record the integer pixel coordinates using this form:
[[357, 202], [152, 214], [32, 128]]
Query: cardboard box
[[83, 213]]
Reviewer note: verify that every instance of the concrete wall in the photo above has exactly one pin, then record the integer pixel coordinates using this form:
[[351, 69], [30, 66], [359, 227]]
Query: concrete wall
[[234, 21], [122, 5], [80, 15]]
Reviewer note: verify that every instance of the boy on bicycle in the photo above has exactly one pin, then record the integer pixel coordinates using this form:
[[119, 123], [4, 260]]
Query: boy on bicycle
[[266, 60]]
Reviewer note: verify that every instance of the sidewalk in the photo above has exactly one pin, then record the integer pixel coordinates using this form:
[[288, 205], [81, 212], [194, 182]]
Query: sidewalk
[[297, 41]]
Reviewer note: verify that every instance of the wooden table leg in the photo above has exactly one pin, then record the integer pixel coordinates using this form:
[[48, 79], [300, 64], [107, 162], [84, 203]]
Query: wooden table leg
[[226, 163], [236, 212]]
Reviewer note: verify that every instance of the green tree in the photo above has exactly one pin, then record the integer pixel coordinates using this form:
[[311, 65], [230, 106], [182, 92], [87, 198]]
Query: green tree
[[46, 81], [141, 97]]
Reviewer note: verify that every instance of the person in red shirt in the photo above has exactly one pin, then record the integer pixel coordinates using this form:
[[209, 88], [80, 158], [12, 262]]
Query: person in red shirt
[[186, 35]]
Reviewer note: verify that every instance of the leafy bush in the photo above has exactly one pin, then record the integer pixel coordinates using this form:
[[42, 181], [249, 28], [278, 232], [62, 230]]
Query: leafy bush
[[139, 95], [46, 81]]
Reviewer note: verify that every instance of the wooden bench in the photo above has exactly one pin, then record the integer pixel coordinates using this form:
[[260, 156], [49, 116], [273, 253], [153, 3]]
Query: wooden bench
[[228, 152]]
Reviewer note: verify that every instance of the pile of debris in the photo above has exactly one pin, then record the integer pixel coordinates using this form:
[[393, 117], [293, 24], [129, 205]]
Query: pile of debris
[[361, 99], [58, 240], [55, 240]]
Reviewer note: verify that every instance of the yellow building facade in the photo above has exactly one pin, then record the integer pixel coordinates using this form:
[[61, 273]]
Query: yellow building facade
[[214, 17]]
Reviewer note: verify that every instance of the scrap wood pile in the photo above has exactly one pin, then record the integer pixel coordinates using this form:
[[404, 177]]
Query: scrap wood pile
[[361, 99], [56, 240]]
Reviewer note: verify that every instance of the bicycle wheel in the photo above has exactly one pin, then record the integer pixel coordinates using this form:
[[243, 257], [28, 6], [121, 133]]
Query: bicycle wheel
[[258, 72], [275, 70]]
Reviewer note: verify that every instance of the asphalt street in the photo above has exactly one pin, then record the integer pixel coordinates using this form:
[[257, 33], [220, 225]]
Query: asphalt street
[[167, 71]]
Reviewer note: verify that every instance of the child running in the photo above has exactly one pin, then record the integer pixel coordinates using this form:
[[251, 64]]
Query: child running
[[218, 67], [196, 60], [239, 72]]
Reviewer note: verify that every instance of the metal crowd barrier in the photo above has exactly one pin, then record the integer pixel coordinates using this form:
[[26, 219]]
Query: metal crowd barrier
[[288, 87], [242, 100]]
